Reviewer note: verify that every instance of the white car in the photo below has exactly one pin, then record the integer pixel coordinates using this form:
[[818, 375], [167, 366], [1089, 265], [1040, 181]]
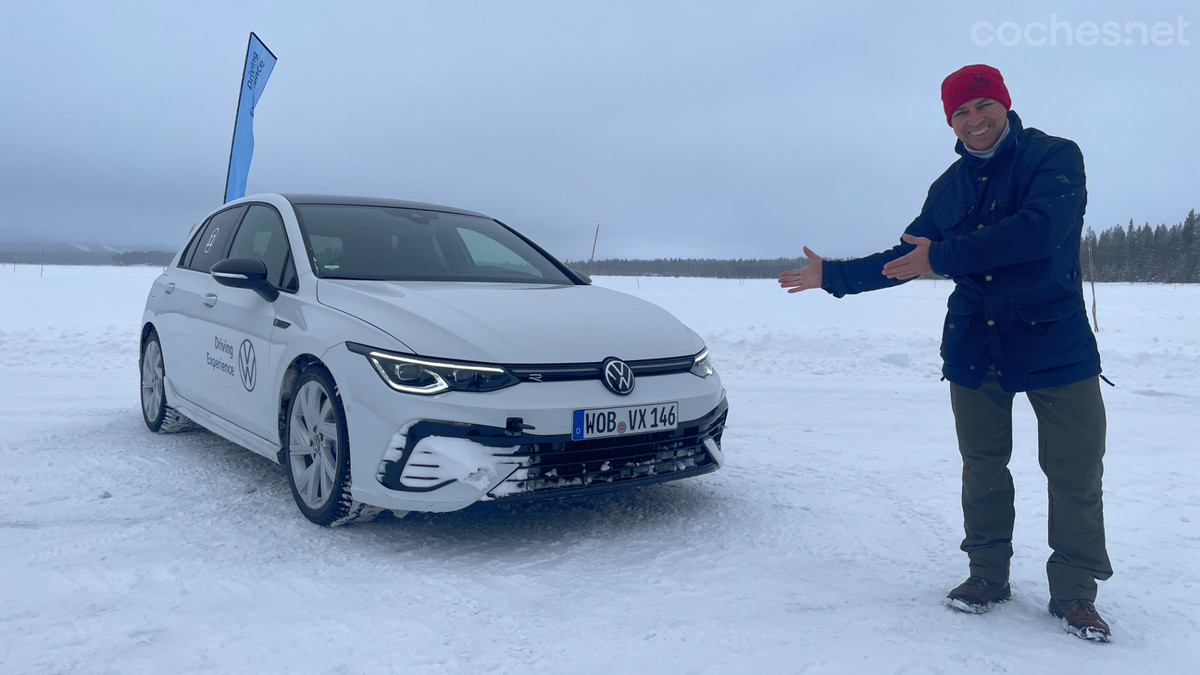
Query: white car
[[403, 356]]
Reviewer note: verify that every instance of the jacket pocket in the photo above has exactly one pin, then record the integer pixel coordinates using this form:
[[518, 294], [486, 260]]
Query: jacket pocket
[[1045, 311], [963, 340], [949, 219], [1054, 333], [961, 304]]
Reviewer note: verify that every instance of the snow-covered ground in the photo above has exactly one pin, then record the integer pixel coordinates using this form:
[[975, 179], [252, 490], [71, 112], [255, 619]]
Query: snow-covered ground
[[825, 545]]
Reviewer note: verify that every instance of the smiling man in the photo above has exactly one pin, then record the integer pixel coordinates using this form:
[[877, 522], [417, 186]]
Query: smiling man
[[1004, 222], [980, 124]]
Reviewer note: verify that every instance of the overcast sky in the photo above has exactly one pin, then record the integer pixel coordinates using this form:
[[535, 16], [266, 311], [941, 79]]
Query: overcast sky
[[699, 128]]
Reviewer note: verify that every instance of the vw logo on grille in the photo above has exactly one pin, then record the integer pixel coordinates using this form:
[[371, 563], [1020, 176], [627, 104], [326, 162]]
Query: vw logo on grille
[[618, 376]]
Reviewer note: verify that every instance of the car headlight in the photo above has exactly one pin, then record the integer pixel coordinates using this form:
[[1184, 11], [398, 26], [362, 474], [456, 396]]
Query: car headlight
[[702, 367], [415, 375]]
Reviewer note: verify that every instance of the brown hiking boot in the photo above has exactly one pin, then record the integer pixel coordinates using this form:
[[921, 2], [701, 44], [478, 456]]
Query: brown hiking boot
[[976, 595], [1081, 619]]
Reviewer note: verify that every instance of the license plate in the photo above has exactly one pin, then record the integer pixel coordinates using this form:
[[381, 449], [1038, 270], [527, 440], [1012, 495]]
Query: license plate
[[630, 419]]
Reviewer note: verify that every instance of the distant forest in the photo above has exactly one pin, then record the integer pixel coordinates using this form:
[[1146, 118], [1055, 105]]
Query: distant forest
[[1159, 254], [59, 256], [1162, 254]]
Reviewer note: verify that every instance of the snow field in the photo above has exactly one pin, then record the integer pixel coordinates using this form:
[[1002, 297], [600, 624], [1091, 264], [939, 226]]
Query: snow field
[[825, 545]]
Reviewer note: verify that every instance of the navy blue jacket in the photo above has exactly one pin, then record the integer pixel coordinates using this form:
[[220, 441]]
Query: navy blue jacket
[[1007, 231]]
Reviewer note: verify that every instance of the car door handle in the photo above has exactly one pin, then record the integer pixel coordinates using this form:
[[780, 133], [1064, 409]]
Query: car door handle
[[169, 288], [210, 299]]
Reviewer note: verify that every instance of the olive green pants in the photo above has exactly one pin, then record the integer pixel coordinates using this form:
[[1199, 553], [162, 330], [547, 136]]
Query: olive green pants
[[1071, 428]]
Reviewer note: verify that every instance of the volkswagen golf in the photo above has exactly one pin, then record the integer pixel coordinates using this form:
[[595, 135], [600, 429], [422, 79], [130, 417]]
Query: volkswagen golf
[[401, 356]]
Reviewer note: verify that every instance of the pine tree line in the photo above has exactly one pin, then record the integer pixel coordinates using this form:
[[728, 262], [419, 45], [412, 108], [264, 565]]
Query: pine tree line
[[1161, 254]]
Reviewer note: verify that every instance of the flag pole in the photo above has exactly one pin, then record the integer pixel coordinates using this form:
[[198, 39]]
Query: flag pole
[[236, 113], [255, 72]]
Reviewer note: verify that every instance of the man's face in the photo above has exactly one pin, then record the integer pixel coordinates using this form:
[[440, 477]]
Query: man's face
[[979, 122]]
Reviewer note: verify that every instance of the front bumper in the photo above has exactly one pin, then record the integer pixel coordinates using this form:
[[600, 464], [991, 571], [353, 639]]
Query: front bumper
[[531, 466]]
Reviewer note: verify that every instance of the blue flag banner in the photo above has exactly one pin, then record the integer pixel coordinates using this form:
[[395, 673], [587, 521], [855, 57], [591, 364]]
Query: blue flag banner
[[259, 63]]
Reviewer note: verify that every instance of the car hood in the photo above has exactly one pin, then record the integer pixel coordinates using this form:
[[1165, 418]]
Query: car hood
[[513, 323]]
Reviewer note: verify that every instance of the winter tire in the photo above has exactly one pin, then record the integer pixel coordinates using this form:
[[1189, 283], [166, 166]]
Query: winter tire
[[317, 454], [159, 417]]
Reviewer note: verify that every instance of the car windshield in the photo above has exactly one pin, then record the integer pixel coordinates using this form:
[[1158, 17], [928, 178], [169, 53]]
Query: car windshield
[[353, 241]]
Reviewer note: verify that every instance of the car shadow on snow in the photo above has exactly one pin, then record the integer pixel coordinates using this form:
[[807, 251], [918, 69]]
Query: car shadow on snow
[[638, 512], [683, 508]]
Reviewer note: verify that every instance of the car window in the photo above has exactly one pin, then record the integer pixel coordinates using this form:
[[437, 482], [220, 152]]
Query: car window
[[261, 235], [488, 253], [348, 241], [212, 241]]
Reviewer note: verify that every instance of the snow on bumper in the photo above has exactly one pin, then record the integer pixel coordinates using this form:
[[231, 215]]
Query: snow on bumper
[[437, 461]]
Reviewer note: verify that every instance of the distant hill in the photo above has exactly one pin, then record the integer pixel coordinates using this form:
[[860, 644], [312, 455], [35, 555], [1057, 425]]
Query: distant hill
[[70, 253]]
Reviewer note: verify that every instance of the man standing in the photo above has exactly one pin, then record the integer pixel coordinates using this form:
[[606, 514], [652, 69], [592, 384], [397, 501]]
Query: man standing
[[1004, 222]]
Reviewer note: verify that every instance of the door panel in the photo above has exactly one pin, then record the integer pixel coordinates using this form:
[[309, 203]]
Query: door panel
[[235, 328]]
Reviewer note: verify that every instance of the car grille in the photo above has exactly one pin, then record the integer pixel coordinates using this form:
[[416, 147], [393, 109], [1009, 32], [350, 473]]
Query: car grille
[[562, 465]]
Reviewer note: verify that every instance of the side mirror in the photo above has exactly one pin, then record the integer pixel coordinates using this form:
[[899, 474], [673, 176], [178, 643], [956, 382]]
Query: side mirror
[[249, 273]]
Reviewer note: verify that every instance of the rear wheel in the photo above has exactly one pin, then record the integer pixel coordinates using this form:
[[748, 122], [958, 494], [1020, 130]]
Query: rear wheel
[[158, 416], [318, 452]]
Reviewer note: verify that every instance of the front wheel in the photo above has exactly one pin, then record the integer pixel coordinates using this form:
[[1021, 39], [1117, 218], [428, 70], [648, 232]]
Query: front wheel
[[318, 452], [158, 416]]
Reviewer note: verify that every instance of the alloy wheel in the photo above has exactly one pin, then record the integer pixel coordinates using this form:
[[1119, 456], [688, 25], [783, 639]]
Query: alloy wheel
[[152, 381], [313, 445]]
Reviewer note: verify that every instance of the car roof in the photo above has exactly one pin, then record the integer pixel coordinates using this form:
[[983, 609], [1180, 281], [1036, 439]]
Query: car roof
[[304, 198]]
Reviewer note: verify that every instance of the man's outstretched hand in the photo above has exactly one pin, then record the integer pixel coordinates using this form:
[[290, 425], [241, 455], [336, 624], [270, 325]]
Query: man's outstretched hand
[[912, 264], [803, 278]]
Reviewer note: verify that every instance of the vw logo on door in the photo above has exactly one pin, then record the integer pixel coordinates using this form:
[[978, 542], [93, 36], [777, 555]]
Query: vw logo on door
[[618, 376], [247, 364]]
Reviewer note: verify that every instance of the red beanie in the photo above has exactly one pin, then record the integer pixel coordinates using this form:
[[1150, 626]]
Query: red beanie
[[972, 82]]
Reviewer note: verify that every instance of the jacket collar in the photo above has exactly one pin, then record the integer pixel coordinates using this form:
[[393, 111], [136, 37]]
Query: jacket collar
[[1006, 144]]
